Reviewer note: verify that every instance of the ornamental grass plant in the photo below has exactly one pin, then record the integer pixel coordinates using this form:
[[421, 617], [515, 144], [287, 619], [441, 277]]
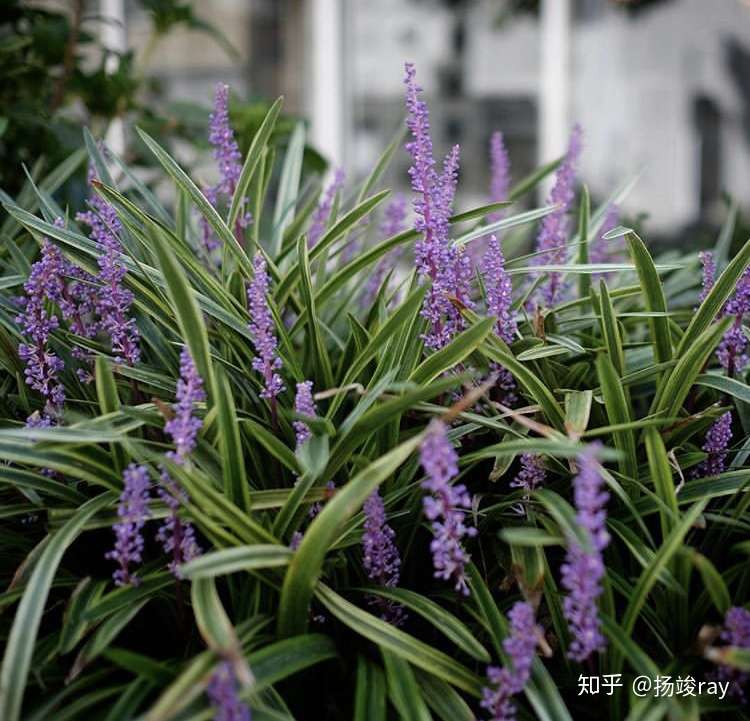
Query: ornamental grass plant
[[280, 450]]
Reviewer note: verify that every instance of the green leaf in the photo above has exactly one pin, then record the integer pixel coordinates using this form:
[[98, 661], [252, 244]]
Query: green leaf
[[462, 346], [320, 352], [443, 699], [403, 691], [230, 445], [369, 695], [239, 558], [306, 566], [715, 300], [675, 387], [584, 213], [254, 155], [443, 621], [20, 644], [185, 309], [288, 187], [653, 294], [618, 413], [406, 647], [206, 209]]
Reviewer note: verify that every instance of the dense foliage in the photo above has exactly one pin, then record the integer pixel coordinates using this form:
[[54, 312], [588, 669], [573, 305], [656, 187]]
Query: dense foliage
[[258, 461]]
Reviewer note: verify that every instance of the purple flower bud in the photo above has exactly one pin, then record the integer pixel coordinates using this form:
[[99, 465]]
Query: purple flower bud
[[446, 506], [506, 682], [499, 173], [304, 405], [583, 570], [262, 328], [715, 445], [132, 512], [323, 211], [380, 557], [551, 243], [223, 693]]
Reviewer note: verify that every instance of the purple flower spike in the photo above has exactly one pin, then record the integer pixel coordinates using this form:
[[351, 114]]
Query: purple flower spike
[[499, 173], [393, 224], [532, 474], [223, 693], [221, 136], [736, 633], [381, 558], [499, 290], [446, 267], [132, 512], [304, 405], [552, 238], [709, 273], [446, 507], [45, 282], [715, 445], [323, 211], [262, 328], [510, 680], [176, 535], [113, 299], [583, 570], [184, 426], [227, 154]]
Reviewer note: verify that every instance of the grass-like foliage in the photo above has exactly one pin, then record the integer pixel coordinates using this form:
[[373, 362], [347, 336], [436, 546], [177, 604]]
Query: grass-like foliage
[[257, 460]]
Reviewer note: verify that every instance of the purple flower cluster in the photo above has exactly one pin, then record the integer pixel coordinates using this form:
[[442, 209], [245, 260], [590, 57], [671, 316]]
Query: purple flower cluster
[[132, 512], [393, 224], [304, 405], [45, 283], [531, 475], [499, 290], [183, 427], [323, 211], [510, 680], [380, 557], [113, 300], [709, 273], [736, 633], [227, 154], [732, 351], [551, 244], [446, 507], [447, 267], [176, 535], [715, 445], [499, 173], [262, 328], [499, 304], [583, 570], [223, 693]]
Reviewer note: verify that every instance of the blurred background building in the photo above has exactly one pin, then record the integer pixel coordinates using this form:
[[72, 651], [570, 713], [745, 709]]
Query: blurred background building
[[661, 87]]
